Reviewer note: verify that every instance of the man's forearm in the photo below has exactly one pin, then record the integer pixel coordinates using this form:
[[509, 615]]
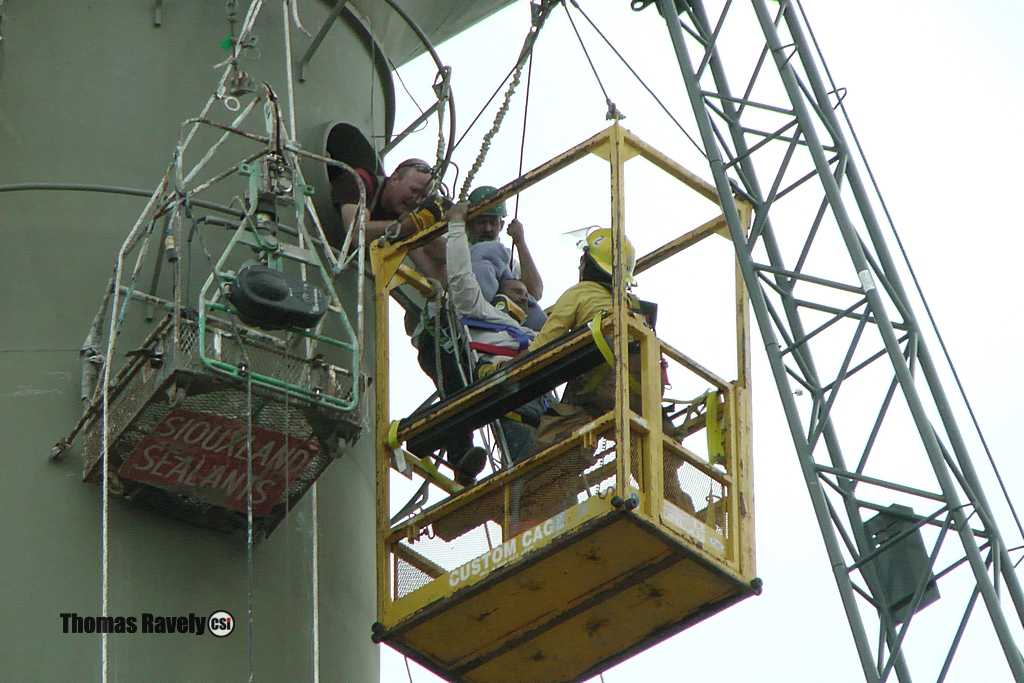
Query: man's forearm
[[374, 229], [528, 272]]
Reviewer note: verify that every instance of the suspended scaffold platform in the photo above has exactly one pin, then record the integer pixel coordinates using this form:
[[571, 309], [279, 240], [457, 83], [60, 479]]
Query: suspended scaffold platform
[[224, 409], [628, 528]]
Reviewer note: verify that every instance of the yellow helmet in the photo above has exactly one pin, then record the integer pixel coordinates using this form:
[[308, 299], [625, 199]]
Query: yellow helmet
[[599, 248]]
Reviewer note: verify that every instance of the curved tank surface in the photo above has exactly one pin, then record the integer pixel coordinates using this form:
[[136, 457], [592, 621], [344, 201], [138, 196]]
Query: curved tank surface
[[92, 100]]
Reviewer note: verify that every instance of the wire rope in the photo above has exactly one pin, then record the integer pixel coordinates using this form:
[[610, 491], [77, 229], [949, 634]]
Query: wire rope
[[315, 559], [522, 146], [408, 92], [112, 336], [395, 71], [639, 80], [486, 104], [539, 14], [248, 514], [3, 48], [373, 83], [522, 141], [613, 111], [248, 438], [913, 277], [289, 71]]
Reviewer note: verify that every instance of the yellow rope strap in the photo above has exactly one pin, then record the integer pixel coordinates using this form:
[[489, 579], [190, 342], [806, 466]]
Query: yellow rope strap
[[609, 357], [716, 454], [713, 427], [393, 434]]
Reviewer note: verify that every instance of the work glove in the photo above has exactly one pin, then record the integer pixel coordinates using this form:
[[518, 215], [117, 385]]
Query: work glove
[[429, 213]]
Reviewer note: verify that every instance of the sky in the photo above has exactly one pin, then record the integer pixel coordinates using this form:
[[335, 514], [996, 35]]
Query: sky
[[936, 92]]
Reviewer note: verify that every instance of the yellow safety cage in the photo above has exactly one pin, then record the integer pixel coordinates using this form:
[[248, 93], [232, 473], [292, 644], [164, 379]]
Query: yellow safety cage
[[612, 539]]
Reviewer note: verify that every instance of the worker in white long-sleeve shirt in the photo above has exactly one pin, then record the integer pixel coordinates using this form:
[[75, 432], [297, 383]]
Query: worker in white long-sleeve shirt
[[495, 326]]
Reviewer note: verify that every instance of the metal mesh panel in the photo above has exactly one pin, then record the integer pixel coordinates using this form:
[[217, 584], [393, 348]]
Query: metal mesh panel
[[409, 578], [700, 496], [449, 538], [265, 357], [151, 390], [707, 497]]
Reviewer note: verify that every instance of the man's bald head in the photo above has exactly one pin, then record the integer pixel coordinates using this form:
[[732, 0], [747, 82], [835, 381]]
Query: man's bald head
[[410, 183]]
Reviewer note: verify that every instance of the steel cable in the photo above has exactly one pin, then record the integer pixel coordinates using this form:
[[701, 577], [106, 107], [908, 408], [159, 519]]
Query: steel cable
[[486, 104], [613, 113], [539, 16], [639, 80]]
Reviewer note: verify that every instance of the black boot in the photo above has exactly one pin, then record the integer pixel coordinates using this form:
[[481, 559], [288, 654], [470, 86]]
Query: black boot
[[469, 466]]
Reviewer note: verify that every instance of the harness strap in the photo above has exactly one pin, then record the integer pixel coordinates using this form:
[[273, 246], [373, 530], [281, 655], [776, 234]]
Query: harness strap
[[516, 333], [609, 357], [493, 349]]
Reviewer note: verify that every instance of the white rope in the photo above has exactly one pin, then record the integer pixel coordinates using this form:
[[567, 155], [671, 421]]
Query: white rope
[[248, 505], [336, 265], [111, 340], [360, 289], [316, 588], [298, 22], [250, 20], [244, 114], [288, 67]]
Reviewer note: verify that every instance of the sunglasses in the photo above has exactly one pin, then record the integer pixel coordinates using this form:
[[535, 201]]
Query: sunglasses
[[418, 165]]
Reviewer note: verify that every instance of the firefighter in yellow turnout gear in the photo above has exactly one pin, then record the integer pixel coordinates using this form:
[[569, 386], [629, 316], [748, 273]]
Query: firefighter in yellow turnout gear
[[592, 294], [593, 394]]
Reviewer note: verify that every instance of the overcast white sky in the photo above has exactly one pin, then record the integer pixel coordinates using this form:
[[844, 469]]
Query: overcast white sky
[[936, 93]]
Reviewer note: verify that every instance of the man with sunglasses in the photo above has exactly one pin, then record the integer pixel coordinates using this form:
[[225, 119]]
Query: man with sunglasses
[[403, 198]]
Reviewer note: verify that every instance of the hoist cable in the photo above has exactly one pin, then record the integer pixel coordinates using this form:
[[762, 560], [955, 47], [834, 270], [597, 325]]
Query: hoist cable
[[522, 150], [486, 104], [539, 14], [295, 17], [913, 277], [485, 145], [522, 141], [373, 118], [3, 48], [613, 111], [395, 71], [112, 337], [287, 65], [315, 559], [248, 510], [639, 80], [248, 439]]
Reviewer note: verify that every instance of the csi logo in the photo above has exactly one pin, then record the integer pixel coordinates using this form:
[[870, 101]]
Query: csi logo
[[221, 623]]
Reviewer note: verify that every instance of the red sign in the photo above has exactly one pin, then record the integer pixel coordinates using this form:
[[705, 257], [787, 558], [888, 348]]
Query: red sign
[[205, 456]]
